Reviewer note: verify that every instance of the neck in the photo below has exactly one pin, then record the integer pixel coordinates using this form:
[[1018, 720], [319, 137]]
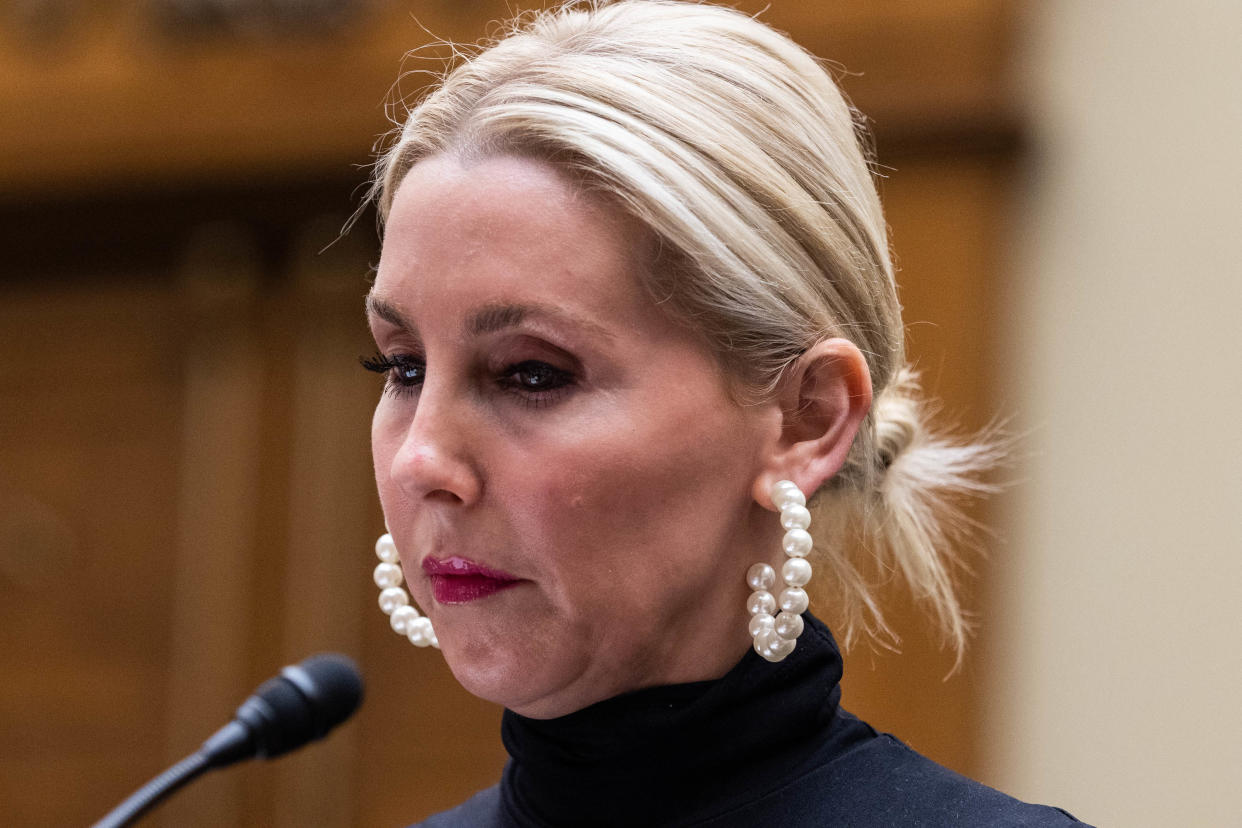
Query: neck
[[680, 743]]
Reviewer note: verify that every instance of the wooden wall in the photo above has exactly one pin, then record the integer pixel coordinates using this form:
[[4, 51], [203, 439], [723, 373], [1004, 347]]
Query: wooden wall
[[185, 494]]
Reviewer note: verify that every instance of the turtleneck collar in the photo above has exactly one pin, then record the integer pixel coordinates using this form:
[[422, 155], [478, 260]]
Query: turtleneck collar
[[706, 746]]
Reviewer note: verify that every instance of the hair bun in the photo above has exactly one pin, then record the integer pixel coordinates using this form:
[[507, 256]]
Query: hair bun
[[897, 420]]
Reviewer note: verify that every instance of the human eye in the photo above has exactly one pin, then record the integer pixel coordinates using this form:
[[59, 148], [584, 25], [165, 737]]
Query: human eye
[[536, 381], [405, 372]]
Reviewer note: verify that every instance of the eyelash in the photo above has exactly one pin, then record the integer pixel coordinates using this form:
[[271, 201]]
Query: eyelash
[[391, 365], [555, 381]]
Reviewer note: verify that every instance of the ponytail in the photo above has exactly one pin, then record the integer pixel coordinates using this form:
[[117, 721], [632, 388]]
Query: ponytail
[[906, 517]]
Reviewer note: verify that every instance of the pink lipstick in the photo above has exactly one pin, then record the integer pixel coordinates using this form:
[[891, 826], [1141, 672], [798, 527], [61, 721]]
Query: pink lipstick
[[459, 581]]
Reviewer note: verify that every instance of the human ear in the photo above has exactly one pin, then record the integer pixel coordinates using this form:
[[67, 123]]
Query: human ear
[[823, 398]]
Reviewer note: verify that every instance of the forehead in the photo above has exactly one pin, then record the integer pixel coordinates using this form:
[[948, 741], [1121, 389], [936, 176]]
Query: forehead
[[508, 229]]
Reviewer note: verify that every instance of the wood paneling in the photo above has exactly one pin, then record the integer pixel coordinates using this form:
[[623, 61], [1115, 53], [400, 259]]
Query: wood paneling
[[217, 509], [111, 99], [89, 391]]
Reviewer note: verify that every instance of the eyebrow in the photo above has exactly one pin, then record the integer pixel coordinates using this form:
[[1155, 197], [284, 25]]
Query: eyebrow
[[490, 318], [375, 306]]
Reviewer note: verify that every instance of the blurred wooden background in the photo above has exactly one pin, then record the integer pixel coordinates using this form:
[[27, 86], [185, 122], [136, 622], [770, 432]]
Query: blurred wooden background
[[185, 495]]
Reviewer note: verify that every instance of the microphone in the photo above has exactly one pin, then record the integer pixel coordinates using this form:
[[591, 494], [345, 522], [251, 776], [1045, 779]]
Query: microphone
[[298, 706]]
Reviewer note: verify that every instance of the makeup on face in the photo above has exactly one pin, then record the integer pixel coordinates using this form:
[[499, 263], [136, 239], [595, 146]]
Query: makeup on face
[[456, 580]]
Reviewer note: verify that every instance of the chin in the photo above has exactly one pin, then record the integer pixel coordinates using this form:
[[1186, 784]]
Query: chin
[[524, 680]]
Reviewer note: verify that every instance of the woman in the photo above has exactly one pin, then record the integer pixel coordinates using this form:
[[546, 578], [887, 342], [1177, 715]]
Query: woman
[[635, 308]]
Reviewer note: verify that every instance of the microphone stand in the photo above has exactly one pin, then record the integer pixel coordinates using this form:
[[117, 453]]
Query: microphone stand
[[155, 791], [227, 745]]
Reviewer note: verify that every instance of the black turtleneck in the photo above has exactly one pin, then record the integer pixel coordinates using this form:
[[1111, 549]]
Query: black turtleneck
[[767, 744]]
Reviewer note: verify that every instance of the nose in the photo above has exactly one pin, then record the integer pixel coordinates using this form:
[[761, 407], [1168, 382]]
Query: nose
[[433, 460]]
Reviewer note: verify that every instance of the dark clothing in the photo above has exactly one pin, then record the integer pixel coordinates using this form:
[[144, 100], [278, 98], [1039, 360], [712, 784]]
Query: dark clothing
[[766, 744]]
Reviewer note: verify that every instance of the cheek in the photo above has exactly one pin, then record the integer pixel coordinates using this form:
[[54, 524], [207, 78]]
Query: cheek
[[624, 508], [385, 441]]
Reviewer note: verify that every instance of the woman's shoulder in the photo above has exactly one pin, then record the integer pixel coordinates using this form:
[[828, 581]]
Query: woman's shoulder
[[914, 790], [882, 781]]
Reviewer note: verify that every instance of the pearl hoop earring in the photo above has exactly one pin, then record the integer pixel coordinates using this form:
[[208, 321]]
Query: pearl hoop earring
[[776, 634], [395, 601]]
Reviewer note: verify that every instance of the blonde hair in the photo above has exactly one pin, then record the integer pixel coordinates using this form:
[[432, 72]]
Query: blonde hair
[[737, 150]]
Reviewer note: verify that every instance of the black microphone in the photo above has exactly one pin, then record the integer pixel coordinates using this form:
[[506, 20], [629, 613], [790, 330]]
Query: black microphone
[[300, 705]]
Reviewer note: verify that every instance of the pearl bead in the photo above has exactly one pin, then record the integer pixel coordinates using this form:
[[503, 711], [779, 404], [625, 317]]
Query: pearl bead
[[794, 600], [401, 618], [761, 623], [761, 601], [433, 640], [391, 598], [786, 497], [767, 639], [782, 648], [386, 549], [788, 625], [419, 632], [795, 517], [761, 576], [797, 543], [387, 575], [796, 572], [772, 647], [784, 485]]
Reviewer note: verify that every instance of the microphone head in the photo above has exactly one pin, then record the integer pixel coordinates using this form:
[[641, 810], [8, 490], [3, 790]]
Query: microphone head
[[301, 704], [332, 684]]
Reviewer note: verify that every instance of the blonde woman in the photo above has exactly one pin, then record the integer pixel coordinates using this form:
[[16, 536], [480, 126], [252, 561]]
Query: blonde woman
[[644, 368]]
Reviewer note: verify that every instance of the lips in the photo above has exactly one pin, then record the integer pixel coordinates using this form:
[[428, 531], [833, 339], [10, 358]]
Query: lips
[[459, 581]]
